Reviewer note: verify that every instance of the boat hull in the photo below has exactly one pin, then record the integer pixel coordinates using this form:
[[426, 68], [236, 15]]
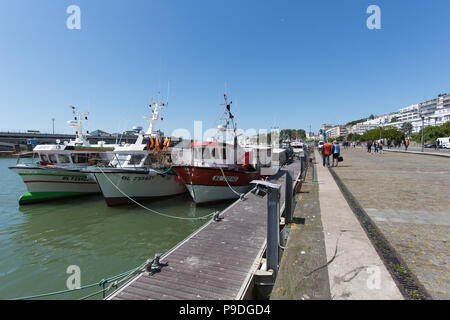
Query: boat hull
[[116, 186], [208, 184], [204, 194], [46, 184]]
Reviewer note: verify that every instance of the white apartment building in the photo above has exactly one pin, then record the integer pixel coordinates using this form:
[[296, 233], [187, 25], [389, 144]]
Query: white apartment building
[[434, 111], [362, 127], [337, 131]]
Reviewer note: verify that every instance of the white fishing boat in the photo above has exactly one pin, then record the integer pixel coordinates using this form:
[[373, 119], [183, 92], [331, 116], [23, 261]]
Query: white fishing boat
[[297, 147], [55, 171], [139, 171]]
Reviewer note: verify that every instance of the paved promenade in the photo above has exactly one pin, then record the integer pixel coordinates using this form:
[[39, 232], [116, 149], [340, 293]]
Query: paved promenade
[[328, 255], [439, 152], [406, 195]]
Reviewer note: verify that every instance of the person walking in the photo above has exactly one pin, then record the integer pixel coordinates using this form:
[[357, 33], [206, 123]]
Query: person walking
[[406, 144], [369, 146], [336, 151], [326, 151], [375, 147], [380, 147]]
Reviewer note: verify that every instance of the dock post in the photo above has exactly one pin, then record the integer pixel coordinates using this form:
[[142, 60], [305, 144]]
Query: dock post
[[288, 212], [302, 164], [273, 228]]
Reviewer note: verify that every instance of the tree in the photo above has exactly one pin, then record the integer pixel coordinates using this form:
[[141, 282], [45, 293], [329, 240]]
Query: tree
[[445, 129], [407, 128], [394, 119], [352, 123], [371, 117], [292, 134], [390, 133], [431, 133]]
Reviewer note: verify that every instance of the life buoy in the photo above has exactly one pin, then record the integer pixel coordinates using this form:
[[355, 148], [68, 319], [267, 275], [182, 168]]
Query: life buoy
[[166, 143]]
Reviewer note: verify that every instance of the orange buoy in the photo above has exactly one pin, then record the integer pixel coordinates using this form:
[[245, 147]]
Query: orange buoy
[[157, 144], [166, 143]]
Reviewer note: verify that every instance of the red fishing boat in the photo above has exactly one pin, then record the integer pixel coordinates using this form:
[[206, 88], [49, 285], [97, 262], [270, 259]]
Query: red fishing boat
[[214, 170]]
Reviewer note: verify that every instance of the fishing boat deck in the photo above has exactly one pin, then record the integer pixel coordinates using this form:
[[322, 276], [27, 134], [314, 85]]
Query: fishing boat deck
[[217, 261]]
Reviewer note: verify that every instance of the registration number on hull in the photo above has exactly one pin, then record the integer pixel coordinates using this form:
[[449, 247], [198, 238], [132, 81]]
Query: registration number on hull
[[76, 178], [139, 178], [229, 178]]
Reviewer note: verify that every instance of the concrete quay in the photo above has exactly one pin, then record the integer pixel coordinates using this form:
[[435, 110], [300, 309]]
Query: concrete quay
[[375, 220], [406, 196], [328, 254]]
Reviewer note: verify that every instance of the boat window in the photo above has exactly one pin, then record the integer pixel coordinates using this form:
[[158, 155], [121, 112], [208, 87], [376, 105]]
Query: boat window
[[52, 158], [119, 159], [63, 158], [198, 153], [148, 160], [79, 157], [206, 153], [224, 153], [136, 159], [94, 158], [44, 157]]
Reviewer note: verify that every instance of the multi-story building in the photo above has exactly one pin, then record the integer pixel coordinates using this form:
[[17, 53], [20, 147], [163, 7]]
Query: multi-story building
[[434, 112], [362, 127], [336, 132]]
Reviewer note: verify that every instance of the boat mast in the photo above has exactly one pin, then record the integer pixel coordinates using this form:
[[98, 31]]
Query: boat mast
[[230, 118], [151, 120], [77, 124]]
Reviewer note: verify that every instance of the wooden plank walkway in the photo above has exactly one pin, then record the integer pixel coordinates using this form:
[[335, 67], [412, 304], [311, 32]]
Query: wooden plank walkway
[[216, 262]]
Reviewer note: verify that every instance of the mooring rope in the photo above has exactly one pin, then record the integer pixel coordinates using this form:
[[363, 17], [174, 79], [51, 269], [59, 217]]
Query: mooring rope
[[102, 282], [151, 210], [241, 195]]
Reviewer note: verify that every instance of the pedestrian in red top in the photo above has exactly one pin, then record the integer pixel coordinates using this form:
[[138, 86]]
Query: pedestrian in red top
[[326, 151]]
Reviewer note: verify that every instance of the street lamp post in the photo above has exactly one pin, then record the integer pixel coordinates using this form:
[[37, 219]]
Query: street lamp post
[[423, 118], [53, 126]]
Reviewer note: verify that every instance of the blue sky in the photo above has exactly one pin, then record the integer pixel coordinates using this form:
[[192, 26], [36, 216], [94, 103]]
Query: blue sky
[[285, 63]]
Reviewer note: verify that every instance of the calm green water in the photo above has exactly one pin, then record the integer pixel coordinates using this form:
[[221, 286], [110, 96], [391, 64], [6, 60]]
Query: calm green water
[[38, 242]]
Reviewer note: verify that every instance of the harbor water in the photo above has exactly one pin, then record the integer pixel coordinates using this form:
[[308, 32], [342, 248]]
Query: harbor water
[[39, 242]]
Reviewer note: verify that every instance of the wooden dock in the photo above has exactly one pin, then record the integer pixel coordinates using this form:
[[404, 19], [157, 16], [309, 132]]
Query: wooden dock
[[216, 262]]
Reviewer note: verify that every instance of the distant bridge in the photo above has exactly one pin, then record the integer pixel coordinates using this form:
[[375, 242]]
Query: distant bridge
[[20, 138], [11, 139]]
